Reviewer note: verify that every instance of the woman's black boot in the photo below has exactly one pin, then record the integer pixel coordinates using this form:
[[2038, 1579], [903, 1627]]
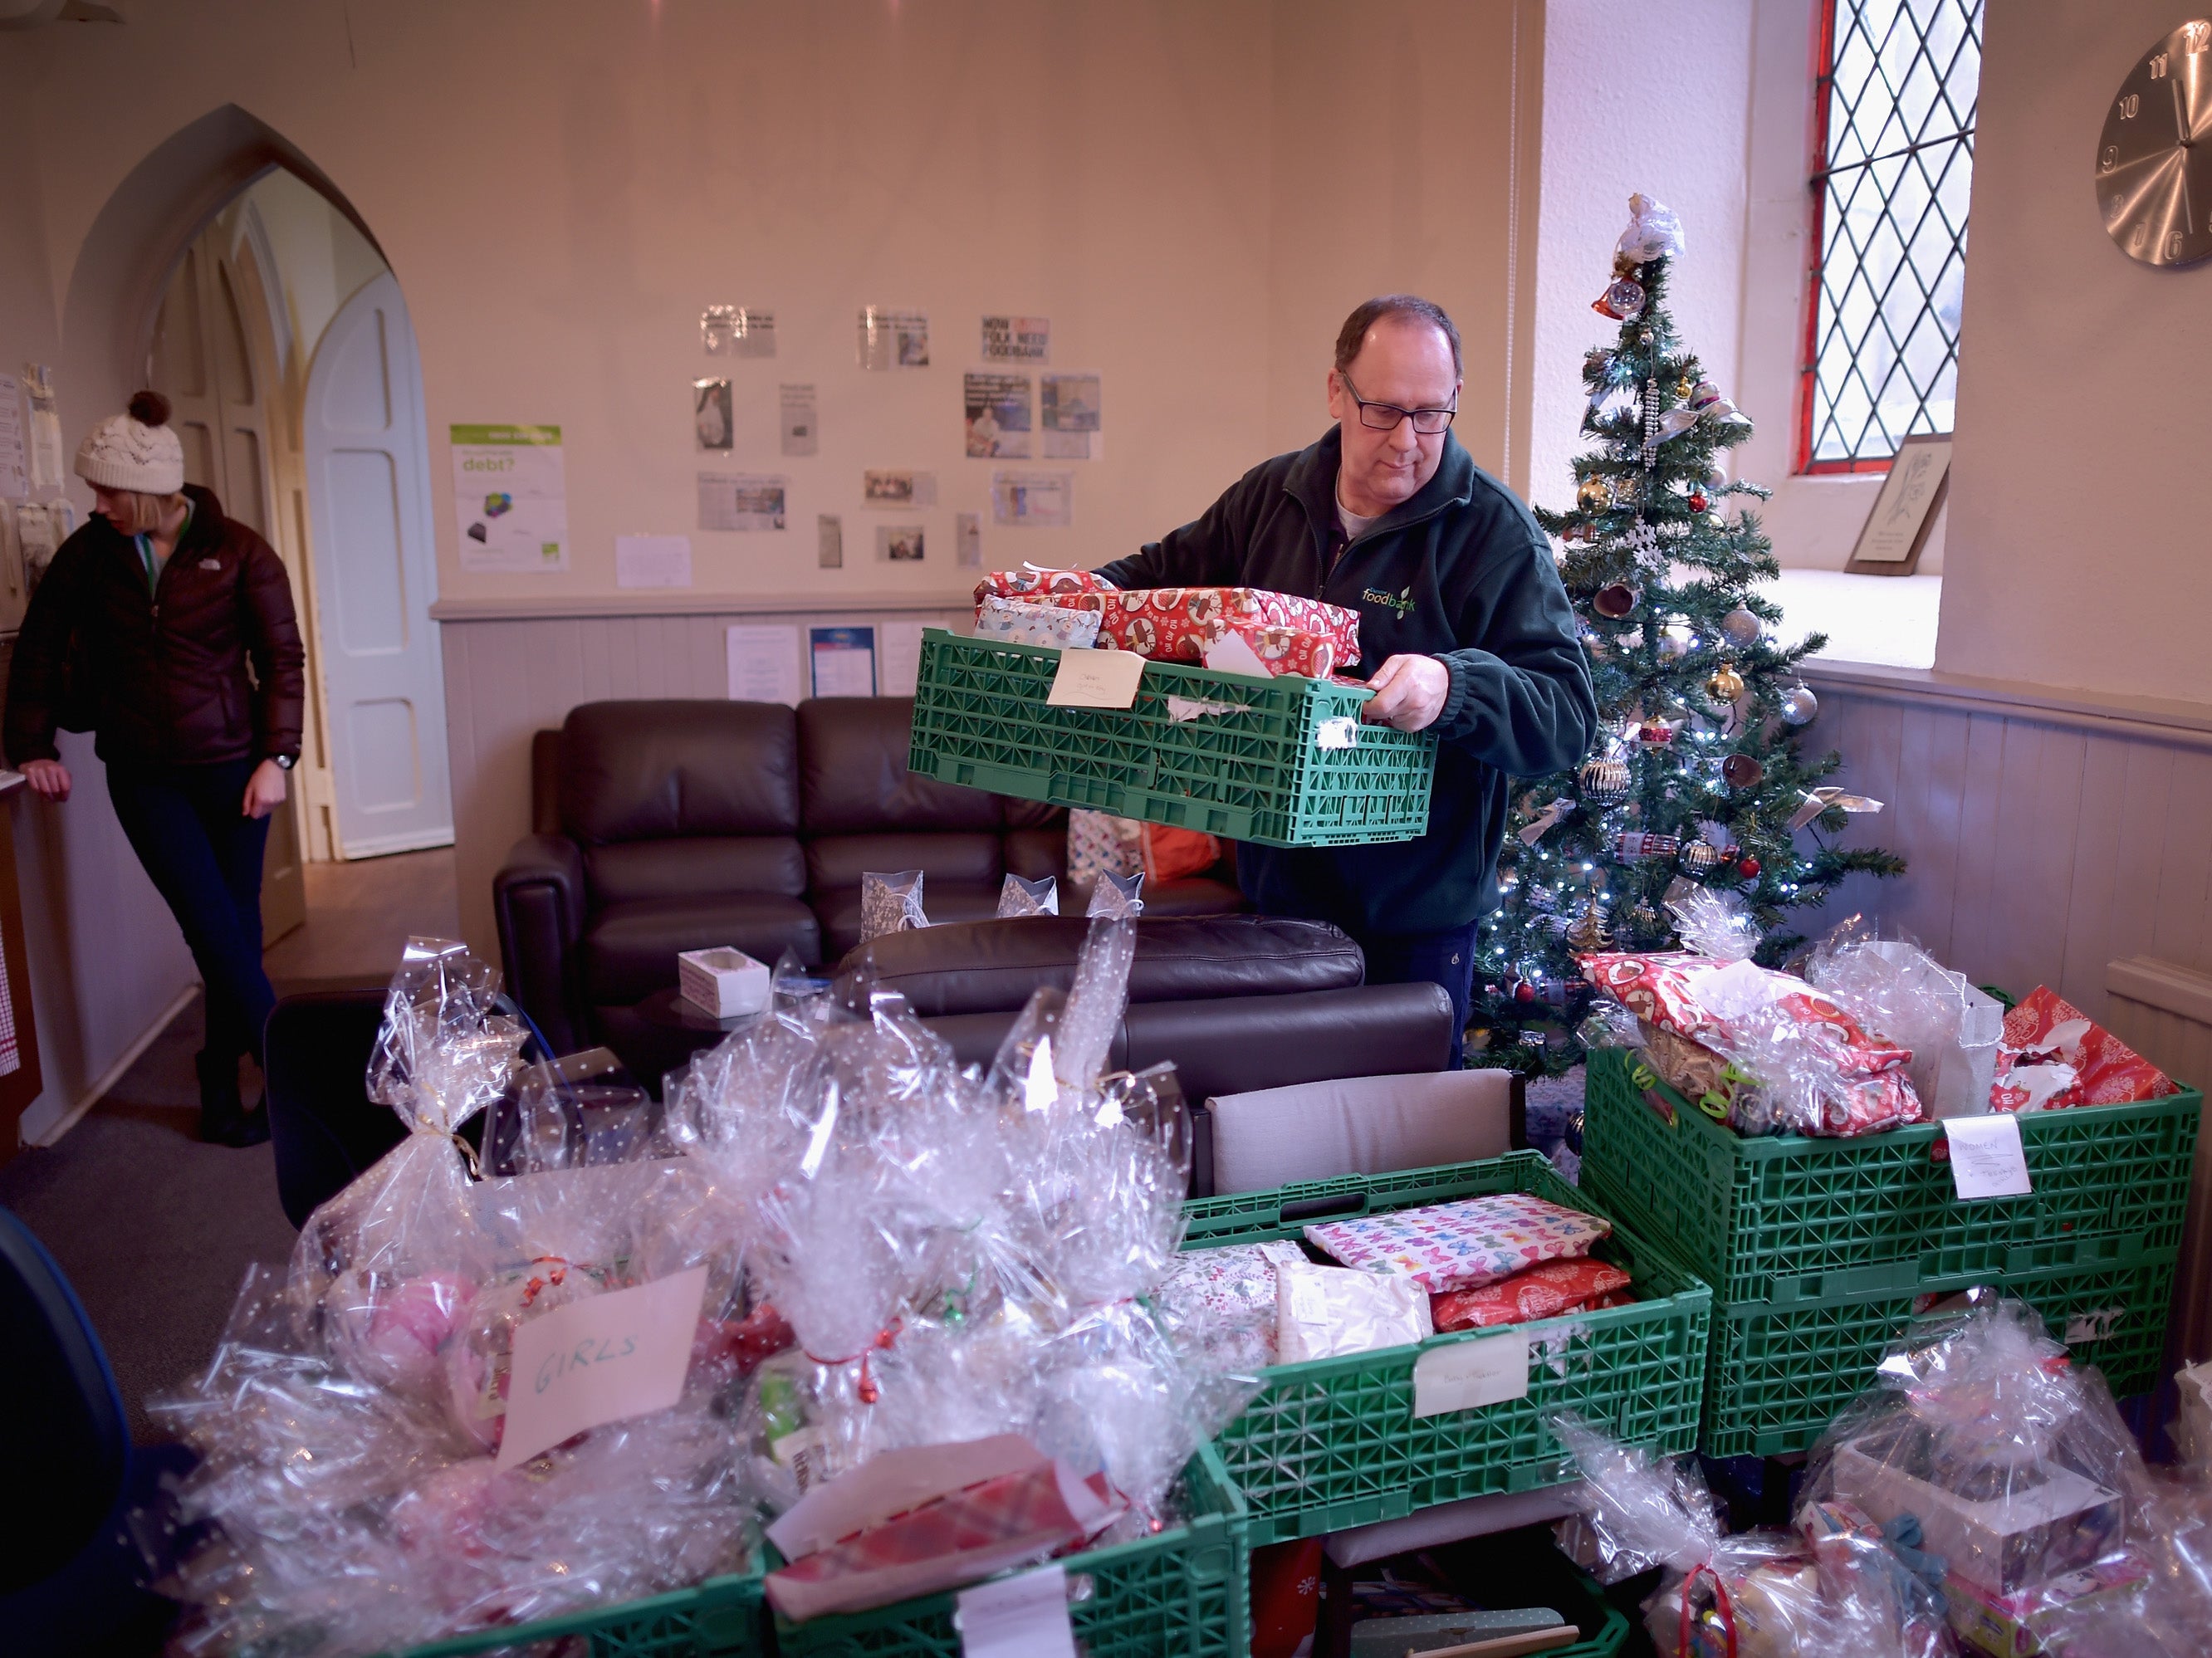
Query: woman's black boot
[[224, 1119]]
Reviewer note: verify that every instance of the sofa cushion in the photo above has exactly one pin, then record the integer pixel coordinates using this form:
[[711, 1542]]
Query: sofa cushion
[[699, 865], [1034, 853], [836, 861], [629, 949], [1266, 1042], [987, 966], [943, 902], [852, 755], [1358, 1126], [638, 771]]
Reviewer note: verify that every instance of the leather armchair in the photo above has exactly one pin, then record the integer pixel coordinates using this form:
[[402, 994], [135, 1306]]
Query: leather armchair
[[538, 896]]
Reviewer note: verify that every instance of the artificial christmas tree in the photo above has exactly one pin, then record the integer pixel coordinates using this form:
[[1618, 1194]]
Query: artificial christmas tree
[[1697, 777]]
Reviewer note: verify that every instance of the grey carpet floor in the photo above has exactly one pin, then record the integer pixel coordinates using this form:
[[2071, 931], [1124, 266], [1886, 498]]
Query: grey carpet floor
[[154, 1229]]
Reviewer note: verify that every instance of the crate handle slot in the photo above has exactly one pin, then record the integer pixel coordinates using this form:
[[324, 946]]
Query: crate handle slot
[[1344, 1203]]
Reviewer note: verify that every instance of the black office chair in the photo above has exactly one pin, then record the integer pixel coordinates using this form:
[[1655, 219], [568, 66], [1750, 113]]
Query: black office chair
[[70, 1572]]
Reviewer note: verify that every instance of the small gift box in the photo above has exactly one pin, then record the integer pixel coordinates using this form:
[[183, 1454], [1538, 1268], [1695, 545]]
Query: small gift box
[[1026, 622], [724, 982], [1544, 1291], [1463, 1245]]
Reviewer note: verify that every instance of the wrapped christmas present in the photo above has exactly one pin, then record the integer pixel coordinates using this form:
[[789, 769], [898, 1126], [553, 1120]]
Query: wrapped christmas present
[[1289, 634], [1544, 1291], [2052, 1055], [1445, 1246]]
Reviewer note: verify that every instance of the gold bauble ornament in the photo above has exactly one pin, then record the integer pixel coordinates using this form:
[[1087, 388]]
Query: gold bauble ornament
[[1604, 779], [1592, 495], [1726, 684]]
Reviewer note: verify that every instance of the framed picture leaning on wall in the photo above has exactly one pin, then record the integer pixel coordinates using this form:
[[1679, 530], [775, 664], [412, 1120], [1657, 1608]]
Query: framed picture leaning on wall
[[1912, 495]]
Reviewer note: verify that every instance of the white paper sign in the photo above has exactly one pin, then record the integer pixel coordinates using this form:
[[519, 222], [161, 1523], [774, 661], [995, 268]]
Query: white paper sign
[[600, 1359], [510, 497], [1987, 1160], [1097, 679], [901, 667], [1465, 1375], [764, 665], [1024, 1616], [652, 560], [15, 463], [800, 421]]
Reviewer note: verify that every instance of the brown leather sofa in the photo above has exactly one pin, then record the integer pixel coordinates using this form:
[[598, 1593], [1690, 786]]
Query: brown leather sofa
[[665, 826]]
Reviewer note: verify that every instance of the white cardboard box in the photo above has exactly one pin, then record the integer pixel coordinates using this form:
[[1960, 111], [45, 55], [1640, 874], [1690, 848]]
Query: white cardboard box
[[725, 982]]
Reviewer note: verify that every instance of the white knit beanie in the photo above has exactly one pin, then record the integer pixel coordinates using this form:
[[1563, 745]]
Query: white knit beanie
[[134, 451]]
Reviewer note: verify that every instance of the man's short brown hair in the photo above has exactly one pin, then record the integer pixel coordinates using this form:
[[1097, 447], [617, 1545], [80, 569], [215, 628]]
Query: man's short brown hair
[[1412, 308]]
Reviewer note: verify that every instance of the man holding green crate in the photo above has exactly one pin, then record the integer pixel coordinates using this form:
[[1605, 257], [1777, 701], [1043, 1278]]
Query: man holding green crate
[[1458, 601]]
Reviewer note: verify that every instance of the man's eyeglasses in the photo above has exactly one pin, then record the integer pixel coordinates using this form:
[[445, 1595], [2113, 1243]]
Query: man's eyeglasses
[[1385, 416]]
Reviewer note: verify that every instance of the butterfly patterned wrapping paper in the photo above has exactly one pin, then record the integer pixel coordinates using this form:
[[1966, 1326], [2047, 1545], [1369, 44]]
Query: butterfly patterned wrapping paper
[[1462, 1245]]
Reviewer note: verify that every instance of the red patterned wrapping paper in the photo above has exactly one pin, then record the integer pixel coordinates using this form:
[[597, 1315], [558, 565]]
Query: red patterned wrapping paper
[[1175, 624], [1544, 1291], [1662, 989], [2047, 1029]]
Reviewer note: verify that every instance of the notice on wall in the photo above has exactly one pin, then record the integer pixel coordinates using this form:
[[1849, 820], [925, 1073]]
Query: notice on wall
[[798, 420], [742, 501], [1034, 500], [14, 450], [996, 408], [510, 498], [46, 471], [899, 543], [895, 490], [893, 339], [1070, 411], [762, 663], [1017, 339], [901, 666], [830, 541], [601, 1359], [711, 421], [843, 660], [967, 540], [652, 560], [738, 330]]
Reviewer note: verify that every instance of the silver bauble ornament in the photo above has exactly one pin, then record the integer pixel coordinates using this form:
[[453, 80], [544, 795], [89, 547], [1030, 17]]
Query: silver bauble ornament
[[1698, 857], [1799, 705], [1604, 779], [1740, 627]]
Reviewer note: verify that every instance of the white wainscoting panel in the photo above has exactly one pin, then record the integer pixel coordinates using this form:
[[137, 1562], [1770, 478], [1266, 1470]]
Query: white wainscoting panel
[[509, 675]]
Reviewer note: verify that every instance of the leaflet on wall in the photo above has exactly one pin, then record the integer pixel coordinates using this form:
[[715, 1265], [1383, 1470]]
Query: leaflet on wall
[[510, 497], [843, 660], [1017, 339], [37, 539], [738, 330], [798, 420], [829, 542], [967, 540], [901, 667], [1038, 500], [893, 339], [652, 560], [899, 543], [762, 664], [742, 501], [1069, 407], [895, 490], [711, 413], [46, 471], [15, 454], [997, 410]]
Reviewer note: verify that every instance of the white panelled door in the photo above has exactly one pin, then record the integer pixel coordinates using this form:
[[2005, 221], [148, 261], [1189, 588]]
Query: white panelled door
[[369, 497]]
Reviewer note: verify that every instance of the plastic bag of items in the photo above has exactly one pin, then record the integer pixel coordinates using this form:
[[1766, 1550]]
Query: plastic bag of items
[[891, 903], [1017, 896], [1835, 1584], [1892, 986], [1790, 1058], [2025, 1483], [363, 1483]]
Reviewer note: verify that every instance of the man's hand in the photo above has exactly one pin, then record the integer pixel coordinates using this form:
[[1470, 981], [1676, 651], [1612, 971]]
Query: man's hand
[[265, 790], [1409, 693], [48, 777]]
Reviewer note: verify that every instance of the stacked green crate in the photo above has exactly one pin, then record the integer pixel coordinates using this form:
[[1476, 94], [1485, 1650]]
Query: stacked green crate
[[1334, 1442], [723, 1618], [1820, 1251]]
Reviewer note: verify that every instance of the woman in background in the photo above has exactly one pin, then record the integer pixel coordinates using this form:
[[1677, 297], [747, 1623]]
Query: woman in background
[[143, 630]]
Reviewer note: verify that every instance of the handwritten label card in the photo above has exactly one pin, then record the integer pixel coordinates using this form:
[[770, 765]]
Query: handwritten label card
[[1464, 1375], [1024, 1616], [600, 1360], [1097, 679], [1987, 1160]]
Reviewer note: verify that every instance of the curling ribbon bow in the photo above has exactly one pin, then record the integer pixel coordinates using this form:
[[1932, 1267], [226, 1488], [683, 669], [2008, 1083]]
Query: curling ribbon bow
[[1820, 799]]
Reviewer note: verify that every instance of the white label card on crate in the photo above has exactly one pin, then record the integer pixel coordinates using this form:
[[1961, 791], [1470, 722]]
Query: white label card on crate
[[1097, 679], [1024, 1616], [1465, 1375], [1987, 1160]]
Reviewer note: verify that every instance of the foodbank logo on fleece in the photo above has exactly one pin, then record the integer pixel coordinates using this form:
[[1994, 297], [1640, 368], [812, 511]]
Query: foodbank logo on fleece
[[1401, 601]]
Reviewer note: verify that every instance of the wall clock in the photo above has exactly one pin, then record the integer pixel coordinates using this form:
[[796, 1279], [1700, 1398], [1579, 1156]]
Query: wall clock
[[2155, 156]]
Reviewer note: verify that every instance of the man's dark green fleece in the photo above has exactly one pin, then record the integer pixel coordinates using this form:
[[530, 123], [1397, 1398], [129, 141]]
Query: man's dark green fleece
[[1462, 572]]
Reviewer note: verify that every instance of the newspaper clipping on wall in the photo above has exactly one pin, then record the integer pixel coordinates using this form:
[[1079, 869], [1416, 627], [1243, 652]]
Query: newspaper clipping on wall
[[899, 543], [711, 413], [799, 419], [997, 409], [738, 330], [895, 489], [742, 501], [829, 541], [893, 339], [1037, 500], [1070, 408], [967, 540], [1017, 339]]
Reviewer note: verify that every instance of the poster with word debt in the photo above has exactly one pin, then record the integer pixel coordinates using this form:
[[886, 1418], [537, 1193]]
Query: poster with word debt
[[510, 498]]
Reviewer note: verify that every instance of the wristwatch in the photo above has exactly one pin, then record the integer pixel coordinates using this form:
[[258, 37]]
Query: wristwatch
[[285, 761]]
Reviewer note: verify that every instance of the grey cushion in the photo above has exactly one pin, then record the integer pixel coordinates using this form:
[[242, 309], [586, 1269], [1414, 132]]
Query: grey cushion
[[1358, 1126]]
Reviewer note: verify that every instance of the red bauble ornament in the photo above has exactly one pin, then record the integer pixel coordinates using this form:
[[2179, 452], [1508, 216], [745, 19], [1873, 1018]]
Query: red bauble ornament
[[1524, 992], [1698, 502], [1749, 869]]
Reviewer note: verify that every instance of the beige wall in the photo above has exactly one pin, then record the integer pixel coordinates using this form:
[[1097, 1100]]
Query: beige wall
[[2079, 538]]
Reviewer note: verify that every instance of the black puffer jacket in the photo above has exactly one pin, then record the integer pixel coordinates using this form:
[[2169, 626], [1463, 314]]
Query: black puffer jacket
[[161, 677]]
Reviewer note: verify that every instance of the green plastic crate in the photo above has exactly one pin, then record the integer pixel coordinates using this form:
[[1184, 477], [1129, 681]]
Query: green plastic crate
[[722, 1618], [1334, 1442], [980, 720], [1786, 1221], [1187, 1591], [1779, 1378]]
